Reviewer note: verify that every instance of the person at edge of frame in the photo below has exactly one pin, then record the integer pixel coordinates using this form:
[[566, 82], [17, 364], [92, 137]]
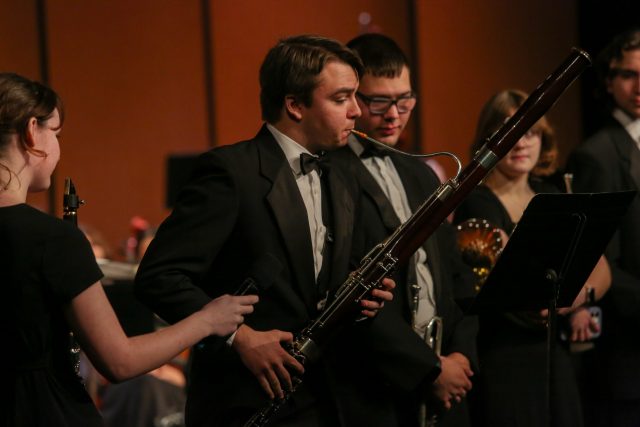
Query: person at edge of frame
[[609, 161], [52, 284]]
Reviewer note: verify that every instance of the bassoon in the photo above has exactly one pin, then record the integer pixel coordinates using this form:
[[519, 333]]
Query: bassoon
[[387, 256]]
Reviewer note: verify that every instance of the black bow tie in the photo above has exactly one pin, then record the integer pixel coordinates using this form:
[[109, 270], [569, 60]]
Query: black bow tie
[[373, 150], [309, 162]]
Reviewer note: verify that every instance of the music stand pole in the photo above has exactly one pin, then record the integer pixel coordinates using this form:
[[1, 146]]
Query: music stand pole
[[552, 278]]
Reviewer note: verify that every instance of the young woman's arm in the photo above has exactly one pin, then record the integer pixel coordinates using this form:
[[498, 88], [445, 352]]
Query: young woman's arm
[[119, 357]]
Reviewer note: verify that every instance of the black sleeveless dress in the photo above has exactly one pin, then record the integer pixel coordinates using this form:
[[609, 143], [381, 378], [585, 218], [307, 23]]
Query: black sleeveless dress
[[510, 389]]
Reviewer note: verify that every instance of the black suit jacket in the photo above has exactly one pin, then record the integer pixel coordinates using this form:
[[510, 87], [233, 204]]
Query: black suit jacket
[[610, 161], [409, 363], [242, 203]]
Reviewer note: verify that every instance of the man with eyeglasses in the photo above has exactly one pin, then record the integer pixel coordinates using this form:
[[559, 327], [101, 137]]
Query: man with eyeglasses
[[610, 161], [393, 187]]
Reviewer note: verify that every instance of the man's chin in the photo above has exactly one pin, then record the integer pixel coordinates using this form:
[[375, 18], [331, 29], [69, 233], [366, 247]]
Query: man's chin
[[333, 145], [341, 143]]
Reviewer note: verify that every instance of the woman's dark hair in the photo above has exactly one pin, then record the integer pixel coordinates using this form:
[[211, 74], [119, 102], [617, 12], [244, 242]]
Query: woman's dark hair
[[20, 100]]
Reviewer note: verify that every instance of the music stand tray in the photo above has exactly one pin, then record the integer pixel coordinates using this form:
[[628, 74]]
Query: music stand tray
[[549, 256], [562, 235]]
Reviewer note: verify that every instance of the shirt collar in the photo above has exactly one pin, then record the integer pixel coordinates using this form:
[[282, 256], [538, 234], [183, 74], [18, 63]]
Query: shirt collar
[[631, 126], [355, 145], [291, 149]]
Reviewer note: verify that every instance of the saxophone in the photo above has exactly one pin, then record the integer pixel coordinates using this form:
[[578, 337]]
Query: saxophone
[[383, 260]]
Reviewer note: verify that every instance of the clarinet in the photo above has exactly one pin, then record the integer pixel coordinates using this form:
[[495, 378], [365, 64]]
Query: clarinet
[[70, 204], [383, 260]]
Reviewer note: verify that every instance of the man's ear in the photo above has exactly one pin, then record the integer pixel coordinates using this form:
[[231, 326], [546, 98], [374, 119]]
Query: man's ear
[[293, 107], [30, 134]]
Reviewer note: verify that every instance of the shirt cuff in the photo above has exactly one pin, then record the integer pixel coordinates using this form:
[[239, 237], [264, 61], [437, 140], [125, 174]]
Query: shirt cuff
[[231, 338]]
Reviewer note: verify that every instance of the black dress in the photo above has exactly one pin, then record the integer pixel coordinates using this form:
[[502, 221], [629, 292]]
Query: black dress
[[510, 389], [44, 264]]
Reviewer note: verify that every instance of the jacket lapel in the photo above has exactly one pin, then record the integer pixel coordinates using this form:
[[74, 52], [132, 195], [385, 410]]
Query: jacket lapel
[[416, 195], [627, 151], [343, 213], [371, 188], [635, 166], [412, 185], [290, 215]]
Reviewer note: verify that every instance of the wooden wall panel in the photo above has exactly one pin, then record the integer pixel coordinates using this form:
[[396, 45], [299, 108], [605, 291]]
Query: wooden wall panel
[[19, 38], [470, 50], [20, 53], [131, 76], [244, 30]]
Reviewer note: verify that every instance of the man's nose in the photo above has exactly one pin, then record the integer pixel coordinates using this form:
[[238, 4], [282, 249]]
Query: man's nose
[[354, 111], [392, 112]]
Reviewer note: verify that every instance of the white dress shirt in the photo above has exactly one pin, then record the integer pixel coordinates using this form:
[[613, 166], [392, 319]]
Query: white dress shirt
[[310, 190], [386, 175]]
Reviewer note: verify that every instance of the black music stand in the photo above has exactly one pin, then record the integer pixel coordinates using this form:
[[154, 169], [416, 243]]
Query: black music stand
[[549, 256]]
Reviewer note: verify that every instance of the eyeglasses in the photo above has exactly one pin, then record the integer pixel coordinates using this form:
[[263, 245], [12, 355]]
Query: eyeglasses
[[380, 105]]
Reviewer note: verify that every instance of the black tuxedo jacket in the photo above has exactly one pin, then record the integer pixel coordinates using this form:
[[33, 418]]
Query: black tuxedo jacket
[[610, 161], [242, 203], [407, 356]]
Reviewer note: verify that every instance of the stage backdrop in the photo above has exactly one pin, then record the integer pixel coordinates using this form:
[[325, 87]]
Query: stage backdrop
[[148, 79]]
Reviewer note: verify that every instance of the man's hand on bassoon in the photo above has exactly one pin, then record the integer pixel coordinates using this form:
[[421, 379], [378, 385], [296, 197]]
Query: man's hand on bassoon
[[262, 353], [379, 296]]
